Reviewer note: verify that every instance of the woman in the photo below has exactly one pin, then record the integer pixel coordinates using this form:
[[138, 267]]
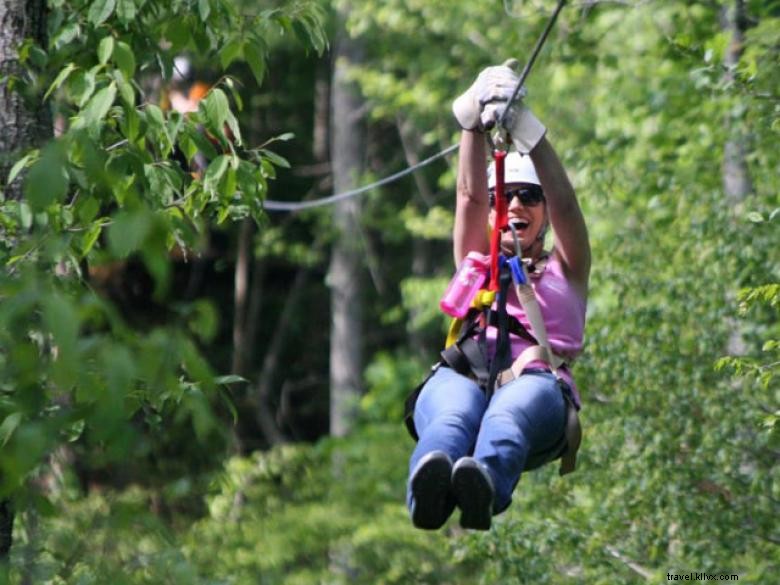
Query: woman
[[472, 445]]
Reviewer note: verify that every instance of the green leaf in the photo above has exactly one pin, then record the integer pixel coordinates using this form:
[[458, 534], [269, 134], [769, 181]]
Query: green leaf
[[90, 237], [232, 123], [178, 33], [215, 170], [187, 146], [22, 163], [47, 180], [154, 116], [98, 107], [229, 379], [204, 9], [229, 184], [126, 10], [204, 321], [230, 52], [203, 143], [755, 217], [279, 161], [25, 215], [126, 91], [100, 10], [62, 321], [105, 49], [128, 232], [125, 60], [58, 81], [255, 57], [66, 35], [157, 127], [216, 108], [81, 87], [10, 424]]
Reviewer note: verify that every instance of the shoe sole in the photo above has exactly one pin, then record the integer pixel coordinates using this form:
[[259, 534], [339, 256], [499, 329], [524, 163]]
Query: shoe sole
[[430, 489], [474, 496]]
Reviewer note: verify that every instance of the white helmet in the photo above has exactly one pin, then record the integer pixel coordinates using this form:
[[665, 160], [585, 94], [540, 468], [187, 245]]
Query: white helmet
[[517, 169]]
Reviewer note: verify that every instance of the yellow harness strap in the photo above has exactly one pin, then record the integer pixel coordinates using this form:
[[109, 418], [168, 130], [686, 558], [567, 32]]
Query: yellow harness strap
[[484, 298]]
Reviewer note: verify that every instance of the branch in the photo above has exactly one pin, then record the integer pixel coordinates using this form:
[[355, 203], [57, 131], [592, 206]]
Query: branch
[[634, 566]]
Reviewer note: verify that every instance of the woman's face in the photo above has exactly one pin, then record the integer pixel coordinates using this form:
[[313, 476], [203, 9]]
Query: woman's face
[[529, 219]]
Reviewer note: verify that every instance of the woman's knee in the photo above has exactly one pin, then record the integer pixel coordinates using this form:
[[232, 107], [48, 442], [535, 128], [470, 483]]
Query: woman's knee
[[449, 398], [530, 395], [536, 406]]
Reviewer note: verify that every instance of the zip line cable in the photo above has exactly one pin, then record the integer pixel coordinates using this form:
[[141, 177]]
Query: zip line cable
[[270, 205], [530, 63]]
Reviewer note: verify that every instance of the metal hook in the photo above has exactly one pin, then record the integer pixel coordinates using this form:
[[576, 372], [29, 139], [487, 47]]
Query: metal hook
[[518, 247]]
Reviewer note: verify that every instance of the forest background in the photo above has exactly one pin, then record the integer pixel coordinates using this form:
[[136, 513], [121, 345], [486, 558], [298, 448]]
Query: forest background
[[198, 390]]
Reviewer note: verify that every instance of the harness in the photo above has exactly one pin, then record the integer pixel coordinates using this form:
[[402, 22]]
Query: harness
[[466, 352], [466, 347]]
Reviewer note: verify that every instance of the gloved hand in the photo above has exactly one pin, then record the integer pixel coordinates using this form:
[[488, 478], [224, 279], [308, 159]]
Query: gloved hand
[[476, 109], [484, 102]]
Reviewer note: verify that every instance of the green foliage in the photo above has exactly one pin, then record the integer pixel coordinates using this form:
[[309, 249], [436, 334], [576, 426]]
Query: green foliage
[[679, 376], [108, 190], [390, 378]]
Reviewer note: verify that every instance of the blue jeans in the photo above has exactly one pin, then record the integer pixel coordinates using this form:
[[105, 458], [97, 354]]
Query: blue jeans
[[524, 418]]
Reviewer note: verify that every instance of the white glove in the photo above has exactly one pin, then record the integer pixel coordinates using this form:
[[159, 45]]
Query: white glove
[[492, 86], [524, 128], [484, 102]]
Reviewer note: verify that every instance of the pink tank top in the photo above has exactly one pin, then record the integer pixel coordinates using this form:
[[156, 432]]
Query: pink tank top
[[563, 311]]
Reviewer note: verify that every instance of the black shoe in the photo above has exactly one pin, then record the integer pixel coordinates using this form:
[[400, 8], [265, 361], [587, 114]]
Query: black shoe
[[474, 493], [432, 501]]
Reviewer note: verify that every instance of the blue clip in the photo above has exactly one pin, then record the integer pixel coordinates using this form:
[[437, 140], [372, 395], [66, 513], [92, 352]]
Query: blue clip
[[518, 274]]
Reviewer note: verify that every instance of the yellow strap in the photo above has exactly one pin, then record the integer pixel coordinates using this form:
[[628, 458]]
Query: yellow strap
[[483, 298], [452, 334]]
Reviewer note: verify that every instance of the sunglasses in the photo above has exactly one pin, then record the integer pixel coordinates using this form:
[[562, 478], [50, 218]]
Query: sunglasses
[[530, 195]]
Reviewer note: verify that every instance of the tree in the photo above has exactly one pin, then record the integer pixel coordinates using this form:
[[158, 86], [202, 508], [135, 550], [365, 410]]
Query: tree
[[345, 273], [109, 189], [25, 125]]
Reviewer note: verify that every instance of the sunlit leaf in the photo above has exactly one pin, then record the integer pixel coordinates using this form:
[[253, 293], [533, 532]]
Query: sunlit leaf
[[105, 49], [22, 163], [81, 86], [216, 107], [204, 9], [8, 427], [61, 77], [125, 60], [97, 107], [100, 10], [126, 91], [126, 10], [215, 170]]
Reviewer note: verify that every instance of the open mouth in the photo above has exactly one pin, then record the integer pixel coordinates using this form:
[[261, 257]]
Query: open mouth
[[518, 224]]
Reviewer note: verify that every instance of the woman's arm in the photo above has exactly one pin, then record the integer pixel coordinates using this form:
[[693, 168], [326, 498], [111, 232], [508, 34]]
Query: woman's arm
[[471, 205], [571, 233]]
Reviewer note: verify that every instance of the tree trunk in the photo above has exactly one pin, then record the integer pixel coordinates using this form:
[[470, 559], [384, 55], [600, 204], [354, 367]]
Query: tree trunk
[[735, 175], [421, 249], [345, 272], [736, 178], [22, 127]]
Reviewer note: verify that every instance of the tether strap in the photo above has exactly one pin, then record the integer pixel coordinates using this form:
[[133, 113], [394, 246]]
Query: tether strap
[[514, 325], [503, 356]]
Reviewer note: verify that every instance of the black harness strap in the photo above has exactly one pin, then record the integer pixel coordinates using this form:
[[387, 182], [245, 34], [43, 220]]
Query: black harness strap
[[515, 326], [503, 356]]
